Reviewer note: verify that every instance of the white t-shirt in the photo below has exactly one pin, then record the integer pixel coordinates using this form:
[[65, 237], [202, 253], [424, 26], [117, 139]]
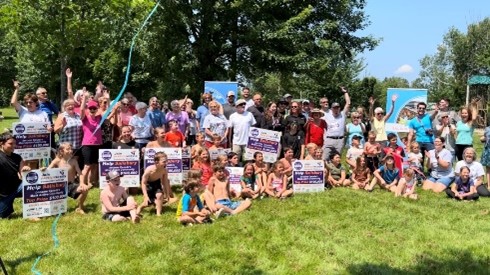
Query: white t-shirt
[[415, 159], [241, 124], [439, 172], [216, 124], [354, 153], [336, 125], [476, 169], [36, 116], [141, 128]]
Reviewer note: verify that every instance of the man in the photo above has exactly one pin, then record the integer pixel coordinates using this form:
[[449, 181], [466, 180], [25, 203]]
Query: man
[[46, 105], [257, 109], [246, 97], [420, 127], [157, 117], [334, 135], [324, 105], [241, 121], [443, 106], [306, 108], [282, 105], [229, 106], [295, 116]]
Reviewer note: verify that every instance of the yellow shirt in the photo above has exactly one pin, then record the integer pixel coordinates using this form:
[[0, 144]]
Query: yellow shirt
[[379, 128]]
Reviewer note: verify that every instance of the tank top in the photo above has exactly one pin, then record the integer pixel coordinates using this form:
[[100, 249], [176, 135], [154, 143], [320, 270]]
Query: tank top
[[379, 128], [277, 183], [72, 132]]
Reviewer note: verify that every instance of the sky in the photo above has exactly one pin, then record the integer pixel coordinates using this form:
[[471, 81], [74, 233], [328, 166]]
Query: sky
[[411, 29]]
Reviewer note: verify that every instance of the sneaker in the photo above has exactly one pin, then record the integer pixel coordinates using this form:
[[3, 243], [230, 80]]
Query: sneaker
[[218, 213]]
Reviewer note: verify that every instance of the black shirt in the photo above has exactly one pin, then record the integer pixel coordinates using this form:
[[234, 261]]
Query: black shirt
[[10, 167], [258, 113], [300, 120], [294, 141], [122, 145]]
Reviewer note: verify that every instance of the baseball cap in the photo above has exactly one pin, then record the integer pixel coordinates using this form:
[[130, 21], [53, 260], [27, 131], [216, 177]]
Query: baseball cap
[[357, 137], [287, 95], [306, 101], [113, 175], [92, 104], [230, 93], [240, 101], [335, 104]]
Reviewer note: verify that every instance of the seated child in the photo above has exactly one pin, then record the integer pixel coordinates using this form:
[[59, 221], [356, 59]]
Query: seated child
[[415, 161], [198, 146], [361, 174], [250, 182], [116, 204], [64, 159], [386, 175], [186, 210], [336, 172], [220, 188], [463, 187], [354, 151], [277, 182], [406, 185], [310, 151], [394, 150], [261, 170]]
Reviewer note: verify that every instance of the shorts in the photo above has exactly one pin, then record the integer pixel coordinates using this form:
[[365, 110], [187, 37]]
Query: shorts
[[152, 189], [72, 190], [90, 154], [446, 180], [228, 203], [110, 215]]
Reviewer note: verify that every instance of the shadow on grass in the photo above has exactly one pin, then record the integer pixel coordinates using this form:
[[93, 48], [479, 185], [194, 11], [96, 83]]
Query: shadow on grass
[[12, 265], [459, 262], [249, 269]]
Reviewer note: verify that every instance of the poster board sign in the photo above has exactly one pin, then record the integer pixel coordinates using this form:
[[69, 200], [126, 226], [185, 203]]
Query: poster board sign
[[33, 140], [186, 162], [125, 161], [220, 89], [235, 174], [266, 141], [44, 193], [405, 107], [174, 162], [308, 176], [214, 153]]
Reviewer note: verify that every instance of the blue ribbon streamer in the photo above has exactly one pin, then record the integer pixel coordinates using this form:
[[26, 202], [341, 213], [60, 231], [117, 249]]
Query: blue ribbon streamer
[[56, 245]]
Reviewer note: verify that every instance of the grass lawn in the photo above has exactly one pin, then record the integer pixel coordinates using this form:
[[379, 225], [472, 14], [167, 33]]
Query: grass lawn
[[338, 231]]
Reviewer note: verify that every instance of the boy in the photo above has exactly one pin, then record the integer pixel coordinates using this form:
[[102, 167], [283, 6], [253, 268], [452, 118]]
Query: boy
[[354, 151], [175, 137], [155, 183], [220, 187], [186, 212], [386, 175], [216, 142], [116, 204]]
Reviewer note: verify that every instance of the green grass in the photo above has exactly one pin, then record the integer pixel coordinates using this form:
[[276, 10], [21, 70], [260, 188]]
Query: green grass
[[338, 231]]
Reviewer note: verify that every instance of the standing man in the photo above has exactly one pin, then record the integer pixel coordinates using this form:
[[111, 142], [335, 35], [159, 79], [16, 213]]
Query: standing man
[[246, 97], [229, 106], [157, 117], [324, 105], [306, 108], [420, 129], [49, 108], [443, 106], [289, 99], [334, 135], [241, 121], [257, 110]]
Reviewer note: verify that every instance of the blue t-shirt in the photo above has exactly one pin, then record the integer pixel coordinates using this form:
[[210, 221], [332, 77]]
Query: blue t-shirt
[[202, 112], [188, 203], [465, 133], [389, 175], [419, 126], [157, 118], [50, 109], [463, 187]]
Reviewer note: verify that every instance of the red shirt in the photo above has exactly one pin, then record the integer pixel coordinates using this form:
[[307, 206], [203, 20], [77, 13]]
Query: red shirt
[[176, 139], [314, 133], [206, 171]]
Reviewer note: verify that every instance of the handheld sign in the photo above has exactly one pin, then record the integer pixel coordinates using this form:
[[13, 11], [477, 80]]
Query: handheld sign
[[33, 140], [44, 193], [174, 162], [266, 141], [234, 178], [186, 161], [308, 176], [214, 153], [125, 161]]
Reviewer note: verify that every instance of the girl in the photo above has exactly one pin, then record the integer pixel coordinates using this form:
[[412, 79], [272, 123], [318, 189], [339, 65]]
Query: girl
[[250, 182], [415, 161], [126, 141], [372, 149], [336, 172], [406, 185], [203, 163], [463, 187], [386, 175], [310, 149], [277, 182], [159, 142], [260, 168], [361, 174], [464, 132], [354, 152]]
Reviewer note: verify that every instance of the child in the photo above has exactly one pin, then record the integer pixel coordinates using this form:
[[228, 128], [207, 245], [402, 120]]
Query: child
[[310, 150], [415, 161], [186, 212], [406, 185], [220, 188], [277, 182], [116, 204], [404, 141], [216, 139], [354, 152], [64, 159], [463, 187], [361, 174], [287, 162], [250, 182], [174, 137], [261, 168], [386, 175], [396, 151], [336, 172], [372, 149], [203, 163], [155, 185], [198, 146], [233, 160]]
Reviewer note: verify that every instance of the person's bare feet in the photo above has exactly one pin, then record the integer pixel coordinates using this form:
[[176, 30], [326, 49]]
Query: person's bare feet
[[136, 219], [80, 211], [36, 219]]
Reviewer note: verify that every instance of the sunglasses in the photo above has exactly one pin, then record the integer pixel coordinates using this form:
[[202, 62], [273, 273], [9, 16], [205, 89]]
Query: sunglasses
[[125, 104], [323, 102], [92, 109], [421, 108], [356, 117], [294, 107], [380, 113]]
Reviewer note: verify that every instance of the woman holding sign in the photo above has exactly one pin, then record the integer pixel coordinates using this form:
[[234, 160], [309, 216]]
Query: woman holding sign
[[12, 165]]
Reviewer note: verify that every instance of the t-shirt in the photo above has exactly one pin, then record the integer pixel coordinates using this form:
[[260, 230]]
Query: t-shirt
[[175, 139], [476, 169], [241, 124], [336, 125], [188, 203], [228, 109], [141, 128], [202, 112], [216, 124], [379, 127], [294, 141], [314, 132], [463, 187], [416, 159], [36, 116], [361, 175], [419, 126], [182, 119], [335, 171], [439, 172], [389, 175], [49, 108], [9, 173], [89, 124], [157, 118], [354, 153], [122, 145], [465, 133], [125, 117]]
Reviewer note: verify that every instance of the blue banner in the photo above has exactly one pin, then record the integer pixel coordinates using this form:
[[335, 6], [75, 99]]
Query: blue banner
[[220, 89], [405, 107]]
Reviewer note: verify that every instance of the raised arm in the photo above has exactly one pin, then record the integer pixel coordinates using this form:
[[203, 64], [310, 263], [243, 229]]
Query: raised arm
[[14, 100], [347, 99], [393, 99], [86, 95], [69, 87]]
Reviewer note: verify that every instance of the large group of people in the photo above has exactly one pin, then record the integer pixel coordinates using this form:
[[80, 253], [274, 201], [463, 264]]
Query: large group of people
[[437, 154]]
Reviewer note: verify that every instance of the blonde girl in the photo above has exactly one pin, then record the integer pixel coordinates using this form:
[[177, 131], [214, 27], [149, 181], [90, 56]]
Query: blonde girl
[[361, 175], [310, 149], [406, 185], [277, 182]]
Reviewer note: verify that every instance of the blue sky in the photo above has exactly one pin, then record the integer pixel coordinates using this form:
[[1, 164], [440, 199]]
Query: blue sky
[[411, 29]]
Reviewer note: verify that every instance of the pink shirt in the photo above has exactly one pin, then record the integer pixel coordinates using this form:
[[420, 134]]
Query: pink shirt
[[125, 117], [89, 124]]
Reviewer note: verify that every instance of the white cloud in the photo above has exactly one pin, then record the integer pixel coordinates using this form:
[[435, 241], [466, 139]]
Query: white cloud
[[404, 69]]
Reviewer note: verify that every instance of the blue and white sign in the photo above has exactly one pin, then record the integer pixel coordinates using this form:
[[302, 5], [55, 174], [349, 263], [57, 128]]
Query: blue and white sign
[[220, 89], [405, 107]]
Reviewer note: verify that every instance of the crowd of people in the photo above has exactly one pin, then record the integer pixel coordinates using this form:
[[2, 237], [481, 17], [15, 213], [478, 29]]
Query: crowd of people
[[437, 154]]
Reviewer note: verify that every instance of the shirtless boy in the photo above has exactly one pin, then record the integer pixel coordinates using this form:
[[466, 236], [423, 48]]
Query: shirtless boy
[[220, 187], [116, 204]]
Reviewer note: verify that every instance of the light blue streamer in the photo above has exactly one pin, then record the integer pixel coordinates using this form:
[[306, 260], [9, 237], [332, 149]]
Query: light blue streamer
[[56, 245]]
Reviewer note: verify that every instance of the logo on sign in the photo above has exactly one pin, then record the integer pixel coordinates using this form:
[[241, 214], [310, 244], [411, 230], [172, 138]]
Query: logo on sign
[[298, 166], [106, 155], [254, 132], [32, 177], [150, 153], [19, 128]]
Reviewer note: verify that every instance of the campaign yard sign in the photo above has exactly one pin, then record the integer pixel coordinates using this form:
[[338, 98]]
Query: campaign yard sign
[[235, 173], [125, 161], [266, 141], [33, 140], [308, 176], [174, 162]]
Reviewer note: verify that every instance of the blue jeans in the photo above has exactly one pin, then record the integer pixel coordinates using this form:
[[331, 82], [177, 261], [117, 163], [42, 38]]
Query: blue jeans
[[425, 147], [7, 203]]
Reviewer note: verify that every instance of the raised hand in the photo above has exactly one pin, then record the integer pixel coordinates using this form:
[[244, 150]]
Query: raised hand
[[68, 73], [371, 100], [394, 98], [16, 84]]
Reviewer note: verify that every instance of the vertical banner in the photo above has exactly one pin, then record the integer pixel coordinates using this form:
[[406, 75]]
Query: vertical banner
[[405, 107], [220, 89], [125, 161], [33, 140], [186, 161], [235, 173], [174, 162], [265, 141], [308, 176], [214, 153], [44, 193]]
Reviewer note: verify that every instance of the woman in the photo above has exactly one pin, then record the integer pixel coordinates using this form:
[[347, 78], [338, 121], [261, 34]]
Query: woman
[[315, 128], [159, 141], [124, 114], [69, 128], [448, 131], [12, 166], [91, 141], [108, 124], [215, 124], [477, 173], [125, 140], [379, 121], [355, 128], [203, 110], [272, 118], [141, 125], [30, 113], [294, 139], [181, 117], [439, 160], [464, 132]]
